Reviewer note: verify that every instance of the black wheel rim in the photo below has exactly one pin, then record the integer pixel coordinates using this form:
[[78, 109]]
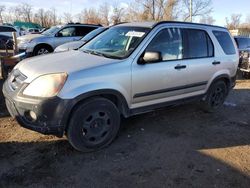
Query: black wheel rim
[[96, 128], [217, 97]]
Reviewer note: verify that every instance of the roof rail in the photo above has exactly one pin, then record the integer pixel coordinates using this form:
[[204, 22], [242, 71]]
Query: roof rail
[[72, 23], [191, 23]]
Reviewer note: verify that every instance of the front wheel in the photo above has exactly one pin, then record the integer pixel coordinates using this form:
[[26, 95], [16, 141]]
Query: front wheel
[[215, 97], [94, 125], [41, 50]]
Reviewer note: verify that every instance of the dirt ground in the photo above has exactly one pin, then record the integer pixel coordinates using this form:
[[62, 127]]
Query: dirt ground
[[175, 147]]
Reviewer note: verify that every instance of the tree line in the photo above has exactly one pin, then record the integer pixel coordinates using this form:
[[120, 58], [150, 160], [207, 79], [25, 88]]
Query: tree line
[[108, 14]]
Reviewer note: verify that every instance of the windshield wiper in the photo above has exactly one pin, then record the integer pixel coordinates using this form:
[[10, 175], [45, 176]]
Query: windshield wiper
[[100, 54]]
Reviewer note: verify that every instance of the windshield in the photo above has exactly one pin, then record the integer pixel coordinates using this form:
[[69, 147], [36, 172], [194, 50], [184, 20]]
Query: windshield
[[92, 34], [117, 42], [51, 30]]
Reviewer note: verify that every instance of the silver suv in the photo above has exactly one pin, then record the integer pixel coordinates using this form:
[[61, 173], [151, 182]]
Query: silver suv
[[47, 41], [129, 69]]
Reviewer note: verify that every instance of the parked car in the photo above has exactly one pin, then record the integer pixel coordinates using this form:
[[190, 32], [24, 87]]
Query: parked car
[[33, 31], [77, 44], [8, 30], [6, 42], [243, 44], [129, 69], [46, 42]]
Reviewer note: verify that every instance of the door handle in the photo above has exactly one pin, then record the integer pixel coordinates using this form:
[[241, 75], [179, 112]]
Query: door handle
[[216, 63], [180, 67]]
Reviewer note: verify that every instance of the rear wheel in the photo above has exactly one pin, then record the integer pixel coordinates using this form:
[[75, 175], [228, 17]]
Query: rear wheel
[[215, 97], [94, 125]]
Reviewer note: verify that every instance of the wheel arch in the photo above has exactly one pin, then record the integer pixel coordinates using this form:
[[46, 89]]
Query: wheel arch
[[224, 77], [115, 96], [43, 44]]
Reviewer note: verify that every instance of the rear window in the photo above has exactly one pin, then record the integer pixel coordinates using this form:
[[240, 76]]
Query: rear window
[[225, 42], [197, 44]]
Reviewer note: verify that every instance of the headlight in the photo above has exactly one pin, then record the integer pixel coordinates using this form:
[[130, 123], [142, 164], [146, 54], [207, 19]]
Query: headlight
[[26, 41], [46, 86]]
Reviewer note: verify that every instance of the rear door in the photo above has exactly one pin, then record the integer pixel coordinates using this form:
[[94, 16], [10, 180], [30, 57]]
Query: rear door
[[81, 31], [199, 54]]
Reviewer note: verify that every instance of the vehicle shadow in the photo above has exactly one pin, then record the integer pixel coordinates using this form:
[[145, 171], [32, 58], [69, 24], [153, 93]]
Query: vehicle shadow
[[172, 147]]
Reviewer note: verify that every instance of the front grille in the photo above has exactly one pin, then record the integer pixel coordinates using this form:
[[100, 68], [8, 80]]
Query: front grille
[[16, 79]]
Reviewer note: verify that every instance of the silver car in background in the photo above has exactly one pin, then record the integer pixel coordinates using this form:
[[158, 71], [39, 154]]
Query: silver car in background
[[46, 42], [77, 44]]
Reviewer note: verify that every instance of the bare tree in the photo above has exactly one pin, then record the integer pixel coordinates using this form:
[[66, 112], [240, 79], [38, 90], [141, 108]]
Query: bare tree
[[17, 13], [118, 13], [91, 16], [199, 8], [104, 13], [153, 10], [67, 17], [207, 20], [234, 21], [26, 11], [2, 9]]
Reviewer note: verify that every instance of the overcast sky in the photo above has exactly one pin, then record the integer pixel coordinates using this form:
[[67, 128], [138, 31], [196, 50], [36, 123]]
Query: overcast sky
[[222, 8]]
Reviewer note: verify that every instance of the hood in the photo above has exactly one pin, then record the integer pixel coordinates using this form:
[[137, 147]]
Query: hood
[[30, 37], [70, 46], [69, 62]]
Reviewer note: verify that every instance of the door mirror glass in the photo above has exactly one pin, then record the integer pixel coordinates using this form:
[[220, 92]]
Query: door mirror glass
[[150, 57]]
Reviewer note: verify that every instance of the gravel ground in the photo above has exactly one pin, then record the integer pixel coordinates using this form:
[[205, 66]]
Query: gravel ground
[[176, 147]]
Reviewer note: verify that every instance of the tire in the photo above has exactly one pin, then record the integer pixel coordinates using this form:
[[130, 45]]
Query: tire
[[215, 97], [94, 125], [41, 50]]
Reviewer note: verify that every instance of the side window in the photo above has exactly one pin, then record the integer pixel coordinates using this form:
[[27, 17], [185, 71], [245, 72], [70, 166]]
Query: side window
[[67, 32], [169, 43], [225, 42], [83, 30], [197, 44]]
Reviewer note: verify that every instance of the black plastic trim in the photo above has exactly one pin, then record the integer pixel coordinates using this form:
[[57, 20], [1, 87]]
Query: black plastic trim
[[169, 89], [149, 108]]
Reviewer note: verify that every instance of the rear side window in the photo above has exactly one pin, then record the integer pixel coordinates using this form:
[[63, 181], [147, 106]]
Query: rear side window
[[225, 42], [7, 29], [84, 30], [197, 44]]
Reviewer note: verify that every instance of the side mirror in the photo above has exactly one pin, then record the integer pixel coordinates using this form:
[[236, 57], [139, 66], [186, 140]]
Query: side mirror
[[59, 35], [150, 57]]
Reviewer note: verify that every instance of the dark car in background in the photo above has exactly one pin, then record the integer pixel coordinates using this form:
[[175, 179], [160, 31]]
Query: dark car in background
[[6, 42], [243, 44]]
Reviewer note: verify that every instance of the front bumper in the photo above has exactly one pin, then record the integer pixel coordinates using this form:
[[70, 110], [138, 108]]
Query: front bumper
[[28, 49], [51, 114]]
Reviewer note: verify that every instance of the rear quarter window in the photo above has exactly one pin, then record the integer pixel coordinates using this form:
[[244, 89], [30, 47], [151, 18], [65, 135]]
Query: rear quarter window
[[225, 42]]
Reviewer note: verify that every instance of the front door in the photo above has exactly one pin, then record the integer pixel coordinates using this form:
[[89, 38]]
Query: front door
[[162, 81], [65, 35]]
